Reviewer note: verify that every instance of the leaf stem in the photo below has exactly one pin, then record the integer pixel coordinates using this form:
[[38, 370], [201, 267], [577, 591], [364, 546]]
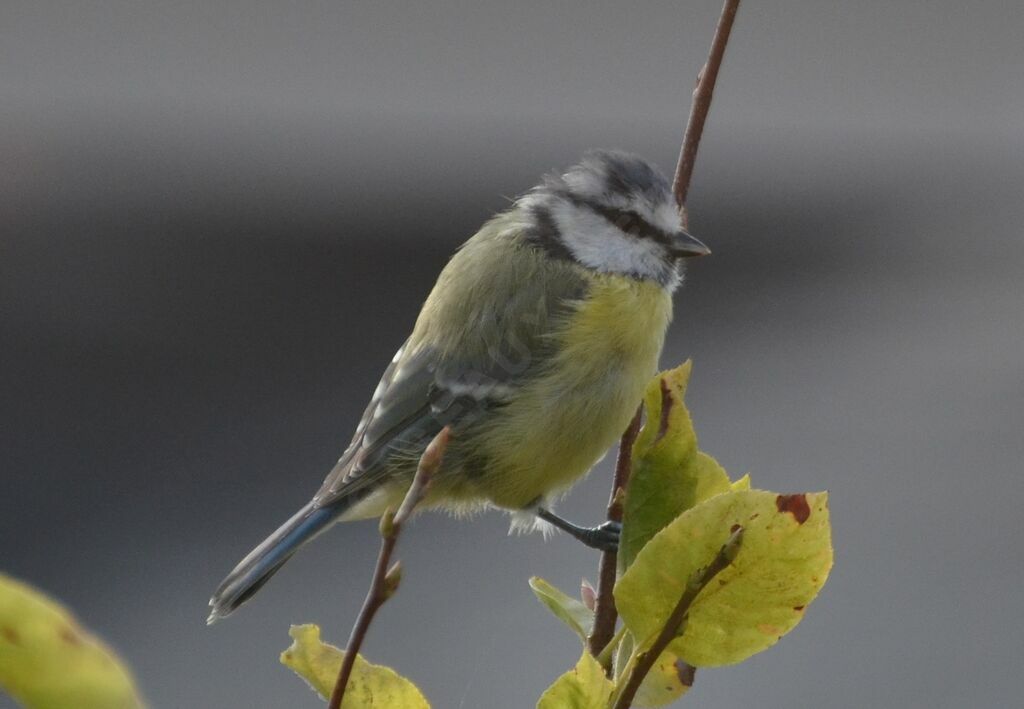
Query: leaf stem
[[641, 662], [386, 576]]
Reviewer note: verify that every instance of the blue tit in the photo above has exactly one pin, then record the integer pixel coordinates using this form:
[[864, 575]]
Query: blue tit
[[534, 345]]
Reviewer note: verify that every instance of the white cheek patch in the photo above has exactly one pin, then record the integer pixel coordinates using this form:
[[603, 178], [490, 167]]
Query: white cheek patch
[[598, 244]]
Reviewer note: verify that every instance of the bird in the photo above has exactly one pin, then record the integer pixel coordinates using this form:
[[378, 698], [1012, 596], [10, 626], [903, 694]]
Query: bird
[[533, 347]]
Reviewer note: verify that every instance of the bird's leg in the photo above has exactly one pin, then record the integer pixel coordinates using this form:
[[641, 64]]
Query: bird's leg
[[604, 537]]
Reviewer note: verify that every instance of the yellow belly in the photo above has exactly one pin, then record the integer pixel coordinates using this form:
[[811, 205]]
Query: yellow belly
[[567, 418]]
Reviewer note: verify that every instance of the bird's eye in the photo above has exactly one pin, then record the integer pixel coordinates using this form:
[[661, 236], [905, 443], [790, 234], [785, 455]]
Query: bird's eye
[[626, 220], [629, 223]]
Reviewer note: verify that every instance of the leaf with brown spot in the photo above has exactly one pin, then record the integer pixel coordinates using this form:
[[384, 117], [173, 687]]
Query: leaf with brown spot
[[666, 409], [669, 474], [668, 680], [782, 564], [686, 673], [70, 636], [796, 505], [47, 661]]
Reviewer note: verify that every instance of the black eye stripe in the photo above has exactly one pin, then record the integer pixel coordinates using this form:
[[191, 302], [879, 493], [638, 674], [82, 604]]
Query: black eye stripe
[[626, 220]]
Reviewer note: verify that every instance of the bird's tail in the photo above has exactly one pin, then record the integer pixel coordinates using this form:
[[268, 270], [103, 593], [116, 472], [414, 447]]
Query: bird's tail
[[260, 564]]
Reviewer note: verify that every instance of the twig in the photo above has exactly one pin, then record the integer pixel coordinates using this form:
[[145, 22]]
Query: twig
[[605, 614], [385, 576], [701, 105], [677, 618]]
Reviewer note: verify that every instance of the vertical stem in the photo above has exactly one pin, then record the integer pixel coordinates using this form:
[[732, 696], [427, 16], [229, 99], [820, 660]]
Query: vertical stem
[[605, 614], [701, 105]]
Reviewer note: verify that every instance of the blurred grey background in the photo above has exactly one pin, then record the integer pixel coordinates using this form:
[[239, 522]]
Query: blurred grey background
[[218, 219]]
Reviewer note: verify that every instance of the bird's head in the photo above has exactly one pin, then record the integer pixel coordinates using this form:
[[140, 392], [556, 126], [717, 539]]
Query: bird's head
[[613, 212]]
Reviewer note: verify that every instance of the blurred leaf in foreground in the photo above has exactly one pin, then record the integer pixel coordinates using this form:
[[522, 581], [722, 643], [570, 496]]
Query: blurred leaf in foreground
[[370, 685], [784, 561], [48, 661], [583, 687]]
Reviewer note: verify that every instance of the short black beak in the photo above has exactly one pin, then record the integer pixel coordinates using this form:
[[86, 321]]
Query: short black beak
[[684, 245]]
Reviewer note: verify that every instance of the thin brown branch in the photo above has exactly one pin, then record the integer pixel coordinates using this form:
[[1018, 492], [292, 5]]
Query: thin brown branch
[[386, 576], [677, 618], [605, 614], [701, 105]]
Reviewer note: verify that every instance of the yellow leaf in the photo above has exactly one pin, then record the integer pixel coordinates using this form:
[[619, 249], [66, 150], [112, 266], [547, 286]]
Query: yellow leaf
[[583, 687], [669, 679], [370, 685], [784, 561], [48, 661]]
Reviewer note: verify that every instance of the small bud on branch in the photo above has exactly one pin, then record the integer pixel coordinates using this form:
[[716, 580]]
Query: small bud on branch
[[387, 577]]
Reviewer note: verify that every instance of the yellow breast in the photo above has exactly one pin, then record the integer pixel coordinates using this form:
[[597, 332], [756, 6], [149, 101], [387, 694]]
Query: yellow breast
[[567, 418]]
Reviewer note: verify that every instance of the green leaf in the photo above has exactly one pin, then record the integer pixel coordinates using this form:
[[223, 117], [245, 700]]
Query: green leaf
[[669, 679], [669, 475], [783, 563], [369, 686], [48, 661], [583, 687], [567, 609]]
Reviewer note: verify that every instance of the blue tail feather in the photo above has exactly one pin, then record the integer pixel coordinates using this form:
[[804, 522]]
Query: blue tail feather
[[261, 563]]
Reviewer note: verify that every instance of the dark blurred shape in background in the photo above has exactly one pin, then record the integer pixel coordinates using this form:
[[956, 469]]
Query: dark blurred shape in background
[[218, 220]]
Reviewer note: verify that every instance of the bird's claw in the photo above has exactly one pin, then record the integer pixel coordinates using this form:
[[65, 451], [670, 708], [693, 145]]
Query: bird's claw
[[604, 537]]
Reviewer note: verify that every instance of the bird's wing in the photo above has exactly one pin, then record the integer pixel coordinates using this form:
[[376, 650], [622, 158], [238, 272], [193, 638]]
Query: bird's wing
[[498, 335], [418, 395], [397, 415]]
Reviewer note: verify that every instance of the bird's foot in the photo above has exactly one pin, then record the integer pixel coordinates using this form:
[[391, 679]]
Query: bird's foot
[[604, 537]]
